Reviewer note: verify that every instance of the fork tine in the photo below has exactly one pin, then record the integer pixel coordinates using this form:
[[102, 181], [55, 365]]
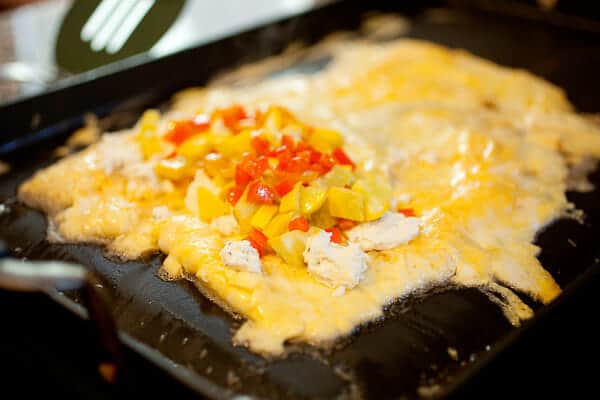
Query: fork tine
[[114, 21], [129, 25], [97, 19]]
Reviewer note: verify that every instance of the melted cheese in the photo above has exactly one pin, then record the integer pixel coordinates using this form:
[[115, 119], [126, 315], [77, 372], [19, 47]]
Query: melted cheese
[[480, 152]]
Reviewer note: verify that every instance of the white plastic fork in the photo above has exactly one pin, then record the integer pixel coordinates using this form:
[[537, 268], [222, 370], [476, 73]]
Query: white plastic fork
[[113, 22]]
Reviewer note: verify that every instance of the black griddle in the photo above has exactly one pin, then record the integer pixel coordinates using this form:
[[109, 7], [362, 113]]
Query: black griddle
[[175, 328]]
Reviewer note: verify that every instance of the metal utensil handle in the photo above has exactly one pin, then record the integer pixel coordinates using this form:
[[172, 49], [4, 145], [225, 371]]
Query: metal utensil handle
[[42, 276]]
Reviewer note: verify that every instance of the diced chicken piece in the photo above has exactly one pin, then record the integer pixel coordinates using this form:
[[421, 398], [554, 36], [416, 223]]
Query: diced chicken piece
[[387, 232], [332, 264], [240, 254]]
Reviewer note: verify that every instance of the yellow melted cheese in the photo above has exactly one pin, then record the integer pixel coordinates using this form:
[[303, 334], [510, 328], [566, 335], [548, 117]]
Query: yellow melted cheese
[[479, 151]]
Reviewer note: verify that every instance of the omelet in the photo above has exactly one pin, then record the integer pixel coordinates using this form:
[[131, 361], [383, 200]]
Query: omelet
[[306, 204]]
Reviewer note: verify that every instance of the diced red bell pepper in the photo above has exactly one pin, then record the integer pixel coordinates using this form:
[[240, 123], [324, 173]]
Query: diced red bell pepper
[[308, 151], [325, 164], [288, 142], [346, 224], [342, 158], [232, 116], [280, 151], [285, 186], [299, 224], [241, 176], [318, 169], [183, 130], [336, 235], [259, 241], [260, 145], [254, 166], [296, 164], [408, 212], [304, 155], [315, 156], [234, 194], [262, 164], [302, 146], [261, 193]]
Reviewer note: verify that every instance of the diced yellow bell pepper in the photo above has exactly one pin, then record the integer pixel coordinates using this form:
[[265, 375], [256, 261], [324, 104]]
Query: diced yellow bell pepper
[[263, 216], [290, 247], [322, 218], [217, 166], [340, 175], [377, 195], [149, 121], [275, 118], [274, 138], [235, 145], [325, 140], [243, 212], [311, 199], [217, 138], [210, 205], [196, 147], [278, 225], [345, 203], [273, 162], [173, 168], [149, 142], [291, 201]]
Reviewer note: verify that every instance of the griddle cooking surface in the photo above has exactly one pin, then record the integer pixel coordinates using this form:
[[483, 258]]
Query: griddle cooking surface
[[407, 353]]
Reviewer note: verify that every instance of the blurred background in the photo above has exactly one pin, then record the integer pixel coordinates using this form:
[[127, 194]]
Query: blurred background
[[45, 41], [42, 42]]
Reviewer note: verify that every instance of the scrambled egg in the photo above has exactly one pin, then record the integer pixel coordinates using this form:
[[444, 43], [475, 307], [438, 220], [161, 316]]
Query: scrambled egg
[[476, 157]]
